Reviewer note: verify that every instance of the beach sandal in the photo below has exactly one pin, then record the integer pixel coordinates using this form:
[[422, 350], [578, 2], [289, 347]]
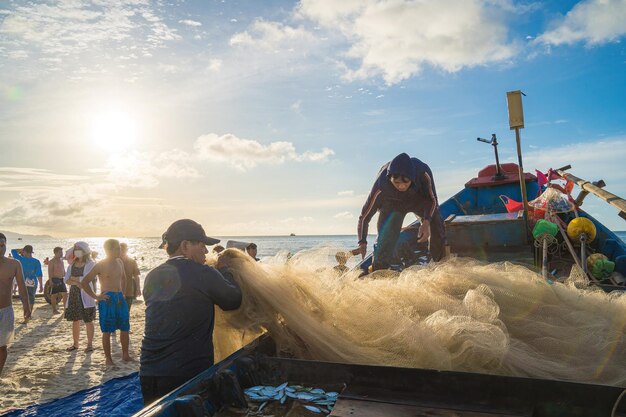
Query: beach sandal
[[89, 349], [71, 348]]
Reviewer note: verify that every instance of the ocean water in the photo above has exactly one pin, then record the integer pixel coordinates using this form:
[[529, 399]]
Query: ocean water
[[148, 255]]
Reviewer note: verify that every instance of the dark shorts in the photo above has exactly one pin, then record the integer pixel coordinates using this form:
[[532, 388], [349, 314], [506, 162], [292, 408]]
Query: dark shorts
[[58, 286], [113, 313]]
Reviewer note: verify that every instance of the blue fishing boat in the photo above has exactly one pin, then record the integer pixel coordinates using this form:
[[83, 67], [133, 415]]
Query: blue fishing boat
[[502, 214], [478, 225]]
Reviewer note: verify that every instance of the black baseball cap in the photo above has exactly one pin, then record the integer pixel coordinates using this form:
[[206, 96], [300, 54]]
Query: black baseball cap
[[186, 229], [28, 249]]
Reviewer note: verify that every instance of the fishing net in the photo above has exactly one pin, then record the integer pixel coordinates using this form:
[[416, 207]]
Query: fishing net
[[458, 315]]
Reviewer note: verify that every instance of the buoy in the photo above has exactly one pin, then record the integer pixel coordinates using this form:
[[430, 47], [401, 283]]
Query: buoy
[[602, 268], [591, 260], [544, 233], [583, 230], [579, 226], [544, 226]]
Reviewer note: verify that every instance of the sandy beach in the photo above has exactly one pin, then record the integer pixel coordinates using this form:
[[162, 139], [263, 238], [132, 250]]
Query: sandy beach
[[39, 369]]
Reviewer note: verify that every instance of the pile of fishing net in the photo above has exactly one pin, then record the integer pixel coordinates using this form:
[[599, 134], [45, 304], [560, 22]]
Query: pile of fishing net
[[459, 314]]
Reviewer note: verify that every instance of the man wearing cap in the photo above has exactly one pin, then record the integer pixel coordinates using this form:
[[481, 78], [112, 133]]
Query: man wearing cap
[[180, 297], [403, 185], [32, 271]]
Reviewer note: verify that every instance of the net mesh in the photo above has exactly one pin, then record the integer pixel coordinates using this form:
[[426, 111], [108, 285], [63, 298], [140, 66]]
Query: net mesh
[[460, 314]]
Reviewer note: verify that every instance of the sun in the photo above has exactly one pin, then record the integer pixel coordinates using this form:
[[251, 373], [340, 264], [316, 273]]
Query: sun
[[113, 130]]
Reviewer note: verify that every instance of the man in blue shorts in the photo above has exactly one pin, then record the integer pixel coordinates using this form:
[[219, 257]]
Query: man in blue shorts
[[112, 307]]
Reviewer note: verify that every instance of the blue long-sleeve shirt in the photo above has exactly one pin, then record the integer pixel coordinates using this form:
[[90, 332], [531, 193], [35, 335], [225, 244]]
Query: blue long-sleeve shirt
[[420, 198], [31, 268]]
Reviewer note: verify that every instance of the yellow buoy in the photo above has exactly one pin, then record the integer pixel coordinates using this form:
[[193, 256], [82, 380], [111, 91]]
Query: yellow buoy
[[581, 225]]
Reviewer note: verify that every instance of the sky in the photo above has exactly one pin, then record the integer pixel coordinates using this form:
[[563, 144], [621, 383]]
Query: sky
[[118, 117]]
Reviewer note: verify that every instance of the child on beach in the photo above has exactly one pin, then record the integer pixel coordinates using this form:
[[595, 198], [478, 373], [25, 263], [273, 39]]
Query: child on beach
[[342, 259], [9, 269], [112, 306]]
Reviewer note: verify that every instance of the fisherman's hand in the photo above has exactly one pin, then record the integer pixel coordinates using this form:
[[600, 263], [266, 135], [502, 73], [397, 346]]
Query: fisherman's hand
[[362, 249], [423, 233], [223, 261]]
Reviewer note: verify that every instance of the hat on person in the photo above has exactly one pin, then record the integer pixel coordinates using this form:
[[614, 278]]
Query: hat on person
[[84, 246], [186, 229], [28, 249]]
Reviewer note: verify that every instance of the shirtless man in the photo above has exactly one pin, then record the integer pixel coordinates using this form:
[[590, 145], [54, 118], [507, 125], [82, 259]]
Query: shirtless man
[[9, 269], [112, 307], [56, 272]]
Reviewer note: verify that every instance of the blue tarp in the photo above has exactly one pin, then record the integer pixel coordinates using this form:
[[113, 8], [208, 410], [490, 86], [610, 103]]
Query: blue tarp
[[118, 397]]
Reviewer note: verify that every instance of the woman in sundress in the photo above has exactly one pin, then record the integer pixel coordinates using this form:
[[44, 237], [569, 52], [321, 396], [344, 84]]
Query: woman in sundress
[[80, 306]]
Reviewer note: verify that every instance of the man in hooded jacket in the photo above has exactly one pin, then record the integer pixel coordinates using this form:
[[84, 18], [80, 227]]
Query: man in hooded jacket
[[403, 185]]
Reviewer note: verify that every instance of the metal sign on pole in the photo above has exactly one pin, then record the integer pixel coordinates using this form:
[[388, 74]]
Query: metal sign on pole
[[516, 121]]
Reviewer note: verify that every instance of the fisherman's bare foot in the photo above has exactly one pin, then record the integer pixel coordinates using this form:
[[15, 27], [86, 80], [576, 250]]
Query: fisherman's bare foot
[[128, 358], [109, 364]]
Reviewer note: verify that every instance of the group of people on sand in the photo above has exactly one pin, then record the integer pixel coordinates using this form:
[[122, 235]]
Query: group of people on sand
[[24, 271], [181, 294]]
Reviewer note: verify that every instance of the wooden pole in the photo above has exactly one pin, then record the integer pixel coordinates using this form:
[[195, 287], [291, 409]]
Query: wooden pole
[[522, 179], [585, 185]]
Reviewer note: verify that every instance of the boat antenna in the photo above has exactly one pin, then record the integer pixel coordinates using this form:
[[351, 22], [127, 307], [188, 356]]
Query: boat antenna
[[494, 142], [516, 122]]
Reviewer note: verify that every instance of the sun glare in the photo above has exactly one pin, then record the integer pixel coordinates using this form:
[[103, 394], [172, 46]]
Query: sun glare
[[113, 130]]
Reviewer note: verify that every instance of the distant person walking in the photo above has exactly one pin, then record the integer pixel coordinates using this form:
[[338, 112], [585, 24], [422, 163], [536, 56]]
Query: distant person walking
[[111, 303], [80, 306], [32, 271], [180, 297], [132, 286], [56, 273], [10, 270]]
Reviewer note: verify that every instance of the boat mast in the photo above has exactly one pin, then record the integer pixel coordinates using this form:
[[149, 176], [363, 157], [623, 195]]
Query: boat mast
[[516, 121]]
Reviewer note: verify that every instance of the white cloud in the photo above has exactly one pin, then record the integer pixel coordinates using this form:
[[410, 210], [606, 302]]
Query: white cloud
[[396, 39], [215, 64], [245, 153], [58, 208], [145, 170], [590, 21], [291, 220], [272, 36], [343, 215], [346, 192], [34, 179], [190, 22], [87, 30]]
